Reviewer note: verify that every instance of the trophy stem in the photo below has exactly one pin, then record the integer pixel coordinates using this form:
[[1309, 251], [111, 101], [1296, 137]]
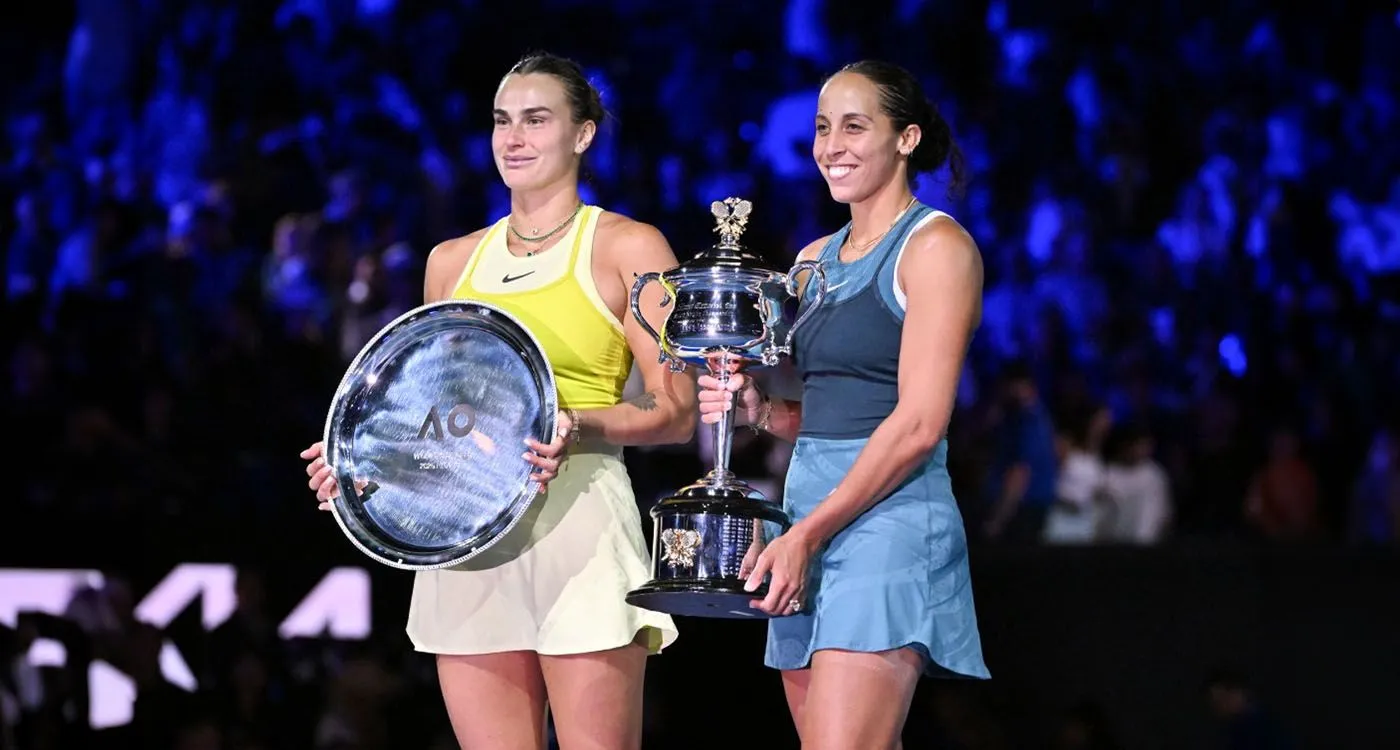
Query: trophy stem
[[724, 428]]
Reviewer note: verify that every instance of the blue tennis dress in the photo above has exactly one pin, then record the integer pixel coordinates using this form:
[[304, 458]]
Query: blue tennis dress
[[897, 575]]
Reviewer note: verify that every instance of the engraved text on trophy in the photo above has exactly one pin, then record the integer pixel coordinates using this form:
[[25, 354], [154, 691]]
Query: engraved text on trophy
[[459, 422], [716, 317]]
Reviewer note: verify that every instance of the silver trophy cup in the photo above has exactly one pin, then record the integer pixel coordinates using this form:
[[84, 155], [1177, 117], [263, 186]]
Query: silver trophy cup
[[726, 314]]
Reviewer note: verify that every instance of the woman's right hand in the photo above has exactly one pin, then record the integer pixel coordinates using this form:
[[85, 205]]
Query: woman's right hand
[[717, 397], [322, 478]]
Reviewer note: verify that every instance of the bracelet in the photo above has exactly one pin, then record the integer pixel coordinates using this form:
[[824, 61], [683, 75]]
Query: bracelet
[[574, 427], [765, 415]]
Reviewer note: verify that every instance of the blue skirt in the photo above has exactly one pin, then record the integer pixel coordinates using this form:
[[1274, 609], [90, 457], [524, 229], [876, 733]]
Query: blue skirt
[[896, 577]]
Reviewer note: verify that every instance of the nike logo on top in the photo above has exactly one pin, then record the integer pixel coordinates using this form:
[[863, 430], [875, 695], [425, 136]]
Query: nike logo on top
[[508, 278]]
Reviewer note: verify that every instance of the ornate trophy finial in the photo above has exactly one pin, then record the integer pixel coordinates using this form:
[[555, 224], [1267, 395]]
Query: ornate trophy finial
[[731, 217]]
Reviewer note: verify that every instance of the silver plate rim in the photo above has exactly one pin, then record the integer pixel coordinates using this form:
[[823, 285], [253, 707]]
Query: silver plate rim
[[527, 497]]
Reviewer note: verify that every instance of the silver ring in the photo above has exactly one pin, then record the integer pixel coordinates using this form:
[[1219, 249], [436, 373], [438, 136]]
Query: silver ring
[[795, 605]]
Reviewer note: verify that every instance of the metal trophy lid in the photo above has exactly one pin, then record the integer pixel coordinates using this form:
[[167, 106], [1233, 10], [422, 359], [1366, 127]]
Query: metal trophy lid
[[427, 429], [731, 218]]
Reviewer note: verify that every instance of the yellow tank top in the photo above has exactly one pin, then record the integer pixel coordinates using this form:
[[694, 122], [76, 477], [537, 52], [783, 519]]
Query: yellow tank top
[[553, 295]]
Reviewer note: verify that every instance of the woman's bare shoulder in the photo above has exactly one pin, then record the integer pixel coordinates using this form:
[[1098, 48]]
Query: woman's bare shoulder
[[447, 260], [615, 228]]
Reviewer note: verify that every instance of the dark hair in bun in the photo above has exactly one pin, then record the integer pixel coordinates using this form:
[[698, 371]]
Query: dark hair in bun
[[584, 99], [902, 100]]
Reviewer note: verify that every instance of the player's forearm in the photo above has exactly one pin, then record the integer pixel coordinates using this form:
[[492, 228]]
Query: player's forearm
[[653, 418], [783, 419]]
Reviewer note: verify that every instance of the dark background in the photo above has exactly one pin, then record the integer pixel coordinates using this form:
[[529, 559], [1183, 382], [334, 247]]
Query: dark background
[[1189, 216], [1133, 632]]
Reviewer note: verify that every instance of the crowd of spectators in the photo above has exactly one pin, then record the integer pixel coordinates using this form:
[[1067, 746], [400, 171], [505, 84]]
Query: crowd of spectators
[[1189, 215]]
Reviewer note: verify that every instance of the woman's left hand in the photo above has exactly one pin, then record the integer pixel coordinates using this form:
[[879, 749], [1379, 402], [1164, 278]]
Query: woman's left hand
[[787, 558], [547, 458]]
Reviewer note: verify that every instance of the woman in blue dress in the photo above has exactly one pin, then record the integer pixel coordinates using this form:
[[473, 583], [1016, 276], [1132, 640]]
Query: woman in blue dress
[[870, 588]]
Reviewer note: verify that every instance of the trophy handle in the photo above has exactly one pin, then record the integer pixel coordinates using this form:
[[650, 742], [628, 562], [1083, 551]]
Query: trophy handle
[[636, 303], [791, 286]]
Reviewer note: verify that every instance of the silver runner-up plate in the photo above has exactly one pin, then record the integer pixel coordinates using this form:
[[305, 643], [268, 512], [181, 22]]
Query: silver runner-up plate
[[426, 432]]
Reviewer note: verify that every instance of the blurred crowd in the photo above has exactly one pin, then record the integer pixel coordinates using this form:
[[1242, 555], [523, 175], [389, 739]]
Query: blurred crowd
[[1189, 215], [239, 686]]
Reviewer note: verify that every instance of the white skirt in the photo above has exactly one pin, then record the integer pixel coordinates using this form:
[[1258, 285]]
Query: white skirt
[[555, 584]]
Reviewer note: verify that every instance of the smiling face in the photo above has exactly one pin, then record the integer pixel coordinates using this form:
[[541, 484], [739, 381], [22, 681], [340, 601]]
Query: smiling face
[[856, 146], [536, 142]]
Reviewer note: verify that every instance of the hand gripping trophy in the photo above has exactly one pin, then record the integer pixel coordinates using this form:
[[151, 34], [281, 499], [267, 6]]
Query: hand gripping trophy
[[727, 314]]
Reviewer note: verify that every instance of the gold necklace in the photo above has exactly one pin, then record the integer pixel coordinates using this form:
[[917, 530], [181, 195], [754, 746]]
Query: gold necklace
[[535, 235], [860, 250]]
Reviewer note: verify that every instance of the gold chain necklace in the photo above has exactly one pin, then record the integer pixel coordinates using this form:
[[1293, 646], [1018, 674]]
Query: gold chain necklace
[[536, 236], [860, 250]]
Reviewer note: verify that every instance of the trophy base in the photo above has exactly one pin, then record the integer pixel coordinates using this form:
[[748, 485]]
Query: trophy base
[[722, 599], [703, 536]]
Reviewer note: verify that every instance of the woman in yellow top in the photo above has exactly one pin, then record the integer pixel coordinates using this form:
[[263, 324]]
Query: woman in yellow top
[[540, 619]]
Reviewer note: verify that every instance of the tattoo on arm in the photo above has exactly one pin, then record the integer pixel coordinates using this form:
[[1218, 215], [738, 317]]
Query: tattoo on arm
[[645, 402], [587, 428]]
